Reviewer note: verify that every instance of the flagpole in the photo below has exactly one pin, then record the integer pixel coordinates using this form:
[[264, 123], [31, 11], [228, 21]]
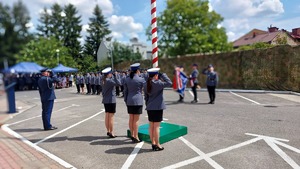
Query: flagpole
[[154, 34]]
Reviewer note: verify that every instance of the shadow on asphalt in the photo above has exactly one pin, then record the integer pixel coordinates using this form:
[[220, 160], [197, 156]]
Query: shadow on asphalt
[[169, 103], [127, 150]]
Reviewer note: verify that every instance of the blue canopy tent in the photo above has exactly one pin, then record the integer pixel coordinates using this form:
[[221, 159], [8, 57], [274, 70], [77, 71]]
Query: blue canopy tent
[[63, 69], [24, 67]]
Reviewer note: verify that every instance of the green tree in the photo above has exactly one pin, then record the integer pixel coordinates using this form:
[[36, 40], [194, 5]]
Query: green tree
[[14, 31], [64, 24], [71, 30], [98, 29], [187, 26], [46, 52], [122, 52]]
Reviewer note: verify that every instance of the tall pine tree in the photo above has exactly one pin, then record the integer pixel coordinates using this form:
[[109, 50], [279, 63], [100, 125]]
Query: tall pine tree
[[71, 30], [98, 29]]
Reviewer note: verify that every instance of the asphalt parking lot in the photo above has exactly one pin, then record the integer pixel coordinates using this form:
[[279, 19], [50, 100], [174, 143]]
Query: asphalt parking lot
[[242, 130]]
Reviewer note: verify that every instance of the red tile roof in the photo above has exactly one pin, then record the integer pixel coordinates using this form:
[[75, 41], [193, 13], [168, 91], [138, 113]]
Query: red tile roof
[[267, 37]]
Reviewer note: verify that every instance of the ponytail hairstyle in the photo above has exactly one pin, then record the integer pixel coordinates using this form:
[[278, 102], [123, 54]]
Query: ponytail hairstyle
[[149, 83], [131, 75], [104, 79]]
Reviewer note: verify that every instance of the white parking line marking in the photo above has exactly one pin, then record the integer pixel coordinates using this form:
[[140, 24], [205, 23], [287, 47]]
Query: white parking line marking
[[271, 141], [74, 125], [202, 154], [132, 156], [52, 156], [245, 98], [21, 121]]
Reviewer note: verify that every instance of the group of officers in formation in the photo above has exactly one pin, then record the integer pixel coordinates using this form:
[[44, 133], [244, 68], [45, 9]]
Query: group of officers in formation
[[138, 88]]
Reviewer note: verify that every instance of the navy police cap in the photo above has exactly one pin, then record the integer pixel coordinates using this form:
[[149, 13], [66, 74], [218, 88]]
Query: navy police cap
[[106, 70], [135, 66], [153, 71], [46, 70]]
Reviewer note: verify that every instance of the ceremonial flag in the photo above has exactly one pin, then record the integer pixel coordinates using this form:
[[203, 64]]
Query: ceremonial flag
[[179, 82]]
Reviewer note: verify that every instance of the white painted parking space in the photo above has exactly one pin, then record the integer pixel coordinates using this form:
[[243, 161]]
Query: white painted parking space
[[205, 146]]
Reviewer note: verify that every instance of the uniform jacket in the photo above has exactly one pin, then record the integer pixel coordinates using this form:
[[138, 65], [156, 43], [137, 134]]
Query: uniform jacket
[[93, 77], [46, 88], [194, 76], [212, 78], [133, 90], [88, 79], [97, 80], [109, 90], [154, 100]]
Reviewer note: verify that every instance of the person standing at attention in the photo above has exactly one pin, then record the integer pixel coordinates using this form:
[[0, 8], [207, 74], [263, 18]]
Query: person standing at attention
[[212, 80], [46, 90], [194, 82], [155, 105], [108, 83], [133, 87]]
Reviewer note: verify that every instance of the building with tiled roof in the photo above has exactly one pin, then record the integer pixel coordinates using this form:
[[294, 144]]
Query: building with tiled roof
[[272, 36]]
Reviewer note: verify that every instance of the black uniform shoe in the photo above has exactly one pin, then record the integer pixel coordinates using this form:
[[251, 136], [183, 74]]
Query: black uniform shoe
[[194, 101], [52, 128]]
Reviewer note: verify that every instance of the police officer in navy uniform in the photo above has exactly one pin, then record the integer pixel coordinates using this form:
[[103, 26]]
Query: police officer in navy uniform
[[46, 90], [97, 83], [93, 86], [77, 82], [212, 80], [133, 87], [109, 82], [155, 105], [194, 81]]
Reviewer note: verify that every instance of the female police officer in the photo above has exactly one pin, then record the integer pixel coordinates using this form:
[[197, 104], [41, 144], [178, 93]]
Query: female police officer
[[133, 87], [155, 105], [108, 84]]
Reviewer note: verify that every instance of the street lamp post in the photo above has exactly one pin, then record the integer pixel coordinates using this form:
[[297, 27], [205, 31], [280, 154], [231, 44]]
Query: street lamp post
[[57, 51]]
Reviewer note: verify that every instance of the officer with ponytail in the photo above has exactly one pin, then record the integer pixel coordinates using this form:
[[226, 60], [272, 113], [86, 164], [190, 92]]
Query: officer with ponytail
[[109, 82], [133, 87], [155, 105]]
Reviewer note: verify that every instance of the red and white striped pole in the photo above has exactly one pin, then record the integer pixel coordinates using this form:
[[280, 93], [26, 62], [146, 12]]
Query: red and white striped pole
[[154, 34]]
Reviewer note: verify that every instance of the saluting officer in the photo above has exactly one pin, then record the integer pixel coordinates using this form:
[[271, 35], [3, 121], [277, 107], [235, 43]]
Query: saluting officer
[[109, 82], [211, 82], [194, 82], [133, 98], [46, 90], [155, 105]]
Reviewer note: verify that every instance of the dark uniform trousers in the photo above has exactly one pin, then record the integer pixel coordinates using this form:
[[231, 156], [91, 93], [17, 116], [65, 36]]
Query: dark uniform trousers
[[211, 93], [78, 88], [88, 87], [194, 89], [93, 88], [98, 89], [47, 107]]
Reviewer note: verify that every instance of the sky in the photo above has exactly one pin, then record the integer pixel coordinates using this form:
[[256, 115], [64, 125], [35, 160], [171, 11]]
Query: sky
[[130, 18]]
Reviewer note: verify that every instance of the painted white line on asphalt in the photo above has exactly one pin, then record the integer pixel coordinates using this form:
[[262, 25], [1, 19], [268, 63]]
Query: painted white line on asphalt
[[262, 136], [50, 155], [282, 154], [244, 98], [21, 121], [74, 125], [132, 156], [195, 159], [202, 154], [287, 146]]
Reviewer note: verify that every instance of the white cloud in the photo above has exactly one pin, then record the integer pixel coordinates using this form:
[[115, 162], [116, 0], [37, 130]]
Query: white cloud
[[124, 26], [248, 8]]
